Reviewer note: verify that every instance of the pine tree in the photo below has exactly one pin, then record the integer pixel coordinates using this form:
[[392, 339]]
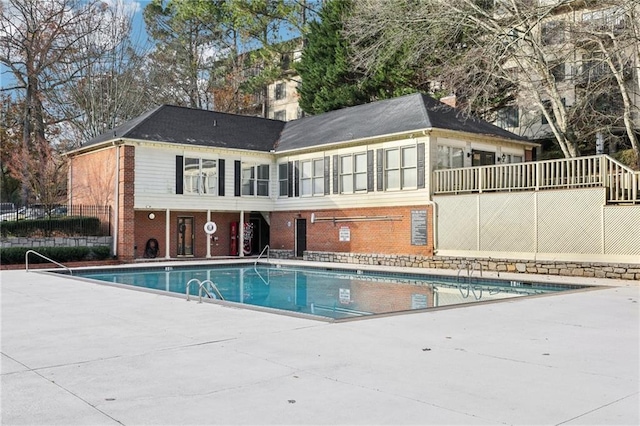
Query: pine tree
[[329, 80]]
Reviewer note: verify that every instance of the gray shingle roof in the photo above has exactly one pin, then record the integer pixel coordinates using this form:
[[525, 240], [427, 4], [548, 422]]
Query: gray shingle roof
[[198, 127], [216, 129], [402, 114]]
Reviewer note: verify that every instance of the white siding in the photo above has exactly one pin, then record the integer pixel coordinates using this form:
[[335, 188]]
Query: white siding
[[155, 186]]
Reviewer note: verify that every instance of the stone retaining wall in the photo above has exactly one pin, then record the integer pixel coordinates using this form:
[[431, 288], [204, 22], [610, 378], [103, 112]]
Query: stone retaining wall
[[577, 269], [56, 242]]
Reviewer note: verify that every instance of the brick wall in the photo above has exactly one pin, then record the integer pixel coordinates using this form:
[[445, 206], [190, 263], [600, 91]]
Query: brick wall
[[146, 228], [92, 178], [125, 214], [388, 236]]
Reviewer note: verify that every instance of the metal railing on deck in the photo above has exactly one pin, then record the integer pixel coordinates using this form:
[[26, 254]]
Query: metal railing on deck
[[622, 183]]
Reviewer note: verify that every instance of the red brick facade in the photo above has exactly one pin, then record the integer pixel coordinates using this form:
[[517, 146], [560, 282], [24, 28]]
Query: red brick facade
[[146, 228], [366, 236]]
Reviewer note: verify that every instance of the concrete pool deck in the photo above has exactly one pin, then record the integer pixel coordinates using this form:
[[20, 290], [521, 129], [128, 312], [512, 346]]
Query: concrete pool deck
[[77, 353]]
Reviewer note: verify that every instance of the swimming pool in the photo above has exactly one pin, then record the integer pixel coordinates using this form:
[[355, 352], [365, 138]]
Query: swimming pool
[[322, 292]]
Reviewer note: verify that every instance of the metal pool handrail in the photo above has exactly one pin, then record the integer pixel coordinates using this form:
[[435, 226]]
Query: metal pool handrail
[[213, 286], [26, 261], [261, 253], [201, 287], [255, 264]]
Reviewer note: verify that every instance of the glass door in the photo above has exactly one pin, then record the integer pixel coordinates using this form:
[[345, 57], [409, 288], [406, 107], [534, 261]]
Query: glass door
[[185, 236]]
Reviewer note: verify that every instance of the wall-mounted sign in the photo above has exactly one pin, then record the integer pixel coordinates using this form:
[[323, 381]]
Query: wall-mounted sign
[[418, 301], [345, 233], [418, 227], [210, 228], [345, 296]]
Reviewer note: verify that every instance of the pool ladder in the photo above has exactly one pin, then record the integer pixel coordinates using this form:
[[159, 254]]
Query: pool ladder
[[255, 265], [201, 288], [469, 267]]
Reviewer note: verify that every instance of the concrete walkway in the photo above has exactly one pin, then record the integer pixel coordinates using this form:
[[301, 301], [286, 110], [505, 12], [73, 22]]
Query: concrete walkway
[[77, 353]]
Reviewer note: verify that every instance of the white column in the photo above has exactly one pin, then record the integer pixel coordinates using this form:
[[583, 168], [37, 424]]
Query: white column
[[167, 230], [241, 235], [209, 236]]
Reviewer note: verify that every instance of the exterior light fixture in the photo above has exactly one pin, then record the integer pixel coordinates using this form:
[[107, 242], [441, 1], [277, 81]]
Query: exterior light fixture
[[152, 216]]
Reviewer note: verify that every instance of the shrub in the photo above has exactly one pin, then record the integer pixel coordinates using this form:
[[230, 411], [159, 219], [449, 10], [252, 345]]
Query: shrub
[[70, 226], [15, 255]]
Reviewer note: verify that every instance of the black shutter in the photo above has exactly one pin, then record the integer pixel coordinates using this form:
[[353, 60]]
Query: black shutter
[[336, 183], [179, 174], [380, 169], [221, 178], [237, 178], [296, 178], [327, 175], [420, 164], [370, 170], [290, 179]]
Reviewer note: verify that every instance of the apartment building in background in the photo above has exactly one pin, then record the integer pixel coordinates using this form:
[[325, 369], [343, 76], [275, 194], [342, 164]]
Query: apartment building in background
[[567, 36]]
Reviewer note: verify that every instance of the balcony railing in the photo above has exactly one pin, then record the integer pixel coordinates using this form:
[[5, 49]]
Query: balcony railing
[[622, 183]]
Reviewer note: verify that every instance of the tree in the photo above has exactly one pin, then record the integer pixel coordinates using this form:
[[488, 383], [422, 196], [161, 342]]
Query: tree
[[39, 44], [502, 52], [328, 79], [46, 171], [10, 139], [111, 90], [260, 31], [188, 36], [612, 38]]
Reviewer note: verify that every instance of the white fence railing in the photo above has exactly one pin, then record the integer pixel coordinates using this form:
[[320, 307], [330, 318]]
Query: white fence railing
[[622, 183]]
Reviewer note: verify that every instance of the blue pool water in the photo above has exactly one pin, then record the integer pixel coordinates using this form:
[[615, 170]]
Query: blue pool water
[[335, 294]]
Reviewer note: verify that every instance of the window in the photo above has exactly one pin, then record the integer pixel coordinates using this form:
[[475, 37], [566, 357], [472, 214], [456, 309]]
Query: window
[[280, 115], [392, 169], [255, 180], [280, 91], [605, 19], [514, 158], [248, 180], [558, 72], [263, 180], [200, 176], [449, 157], [594, 66], [353, 173], [312, 177], [508, 117], [283, 179], [409, 165], [400, 168], [552, 33]]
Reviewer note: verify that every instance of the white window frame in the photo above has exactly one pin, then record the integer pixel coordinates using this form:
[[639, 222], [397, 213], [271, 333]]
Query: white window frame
[[406, 171], [351, 176], [199, 179], [252, 184], [449, 151], [283, 180], [312, 177]]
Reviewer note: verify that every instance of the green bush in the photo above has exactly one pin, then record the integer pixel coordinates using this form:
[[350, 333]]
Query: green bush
[[15, 255], [68, 226]]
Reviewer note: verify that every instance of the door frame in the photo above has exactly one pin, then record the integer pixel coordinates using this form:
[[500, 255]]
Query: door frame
[[181, 221], [298, 248]]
